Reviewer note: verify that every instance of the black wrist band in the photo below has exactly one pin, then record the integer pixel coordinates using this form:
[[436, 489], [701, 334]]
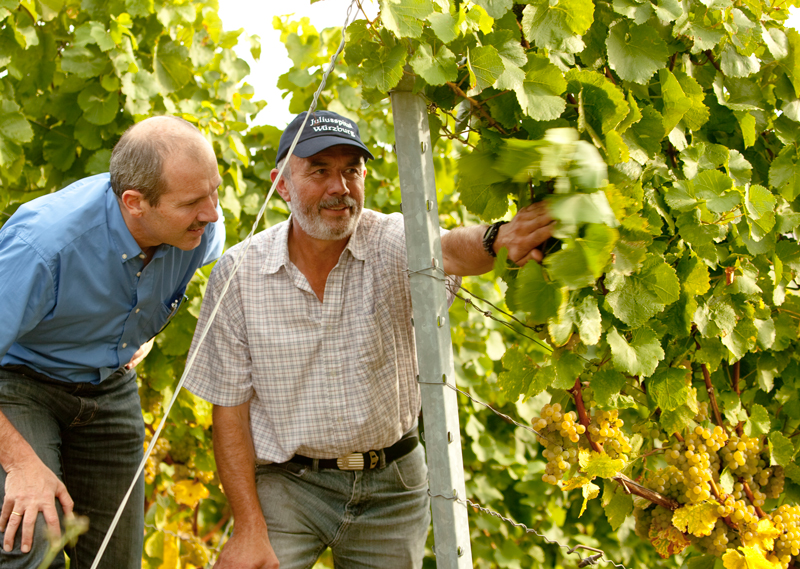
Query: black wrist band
[[490, 236]]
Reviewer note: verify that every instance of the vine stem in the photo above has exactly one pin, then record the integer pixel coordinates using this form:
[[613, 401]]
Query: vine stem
[[583, 416], [752, 498], [712, 397], [476, 104], [720, 498], [630, 486], [735, 383]]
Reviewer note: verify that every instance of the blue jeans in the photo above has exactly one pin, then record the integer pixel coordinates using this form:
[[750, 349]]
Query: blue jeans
[[91, 437], [375, 519]]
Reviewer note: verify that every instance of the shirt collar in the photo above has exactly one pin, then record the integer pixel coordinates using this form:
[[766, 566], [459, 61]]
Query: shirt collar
[[278, 254], [127, 247], [278, 251]]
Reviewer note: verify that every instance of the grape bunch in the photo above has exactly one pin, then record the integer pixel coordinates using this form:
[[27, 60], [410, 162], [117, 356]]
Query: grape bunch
[[717, 542], [787, 520], [194, 552], [556, 431], [159, 452]]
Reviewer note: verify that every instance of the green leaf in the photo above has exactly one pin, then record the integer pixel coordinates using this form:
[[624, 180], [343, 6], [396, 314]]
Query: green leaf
[[607, 384], [635, 52], [675, 101], [781, 449], [676, 421], [83, 62], [580, 209], [618, 509], [603, 102], [495, 8], [637, 298], [584, 260], [698, 114], [758, 423], [589, 321], [668, 388], [734, 64], [539, 93], [445, 26], [648, 132], [742, 340], [404, 18], [13, 125], [384, 69], [694, 276], [640, 356], [557, 25], [784, 173], [169, 65], [530, 292], [59, 148], [435, 69], [485, 66], [99, 106], [519, 375]]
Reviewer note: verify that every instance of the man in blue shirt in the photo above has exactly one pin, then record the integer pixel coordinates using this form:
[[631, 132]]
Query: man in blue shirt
[[88, 276]]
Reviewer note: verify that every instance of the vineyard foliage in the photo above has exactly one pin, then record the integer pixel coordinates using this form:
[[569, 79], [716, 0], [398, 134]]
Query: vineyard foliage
[[653, 350]]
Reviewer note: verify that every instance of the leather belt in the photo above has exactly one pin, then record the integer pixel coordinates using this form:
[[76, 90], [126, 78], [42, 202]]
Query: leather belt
[[364, 460]]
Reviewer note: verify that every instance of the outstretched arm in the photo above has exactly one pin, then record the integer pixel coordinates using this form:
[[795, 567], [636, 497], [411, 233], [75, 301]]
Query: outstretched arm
[[463, 252], [249, 548]]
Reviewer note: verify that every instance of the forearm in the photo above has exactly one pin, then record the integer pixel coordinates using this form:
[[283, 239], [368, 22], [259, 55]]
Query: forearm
[[15, 452], [235, 456], [463, 252]]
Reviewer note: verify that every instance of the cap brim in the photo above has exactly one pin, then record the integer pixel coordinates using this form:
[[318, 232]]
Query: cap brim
[[318, 144]]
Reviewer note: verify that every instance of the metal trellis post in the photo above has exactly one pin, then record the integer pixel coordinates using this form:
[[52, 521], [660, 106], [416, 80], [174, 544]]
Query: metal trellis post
[[431, 327]]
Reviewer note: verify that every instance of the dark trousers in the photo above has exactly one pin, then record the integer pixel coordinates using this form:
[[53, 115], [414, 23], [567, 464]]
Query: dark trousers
[[91, 437]]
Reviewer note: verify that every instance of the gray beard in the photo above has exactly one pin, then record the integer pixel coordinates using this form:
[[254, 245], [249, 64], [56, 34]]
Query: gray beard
[[312, 223]]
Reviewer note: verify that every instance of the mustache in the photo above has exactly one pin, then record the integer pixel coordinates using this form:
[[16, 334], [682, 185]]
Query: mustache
[[197, 226], [346, 201]]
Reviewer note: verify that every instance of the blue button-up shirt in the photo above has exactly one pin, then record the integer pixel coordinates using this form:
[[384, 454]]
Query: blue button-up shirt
[[76, 300]]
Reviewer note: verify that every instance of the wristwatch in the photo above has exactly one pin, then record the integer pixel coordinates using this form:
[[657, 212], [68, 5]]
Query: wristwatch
[[490, 236]]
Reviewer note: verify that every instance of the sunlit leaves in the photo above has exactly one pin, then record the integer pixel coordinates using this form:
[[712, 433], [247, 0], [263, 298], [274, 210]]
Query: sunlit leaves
[[404, 17], [539, 92], [485, 66], [640, 355], [635, 52], [638, 297], [557, 25], [534, 294], [435, 68], [696, 519]]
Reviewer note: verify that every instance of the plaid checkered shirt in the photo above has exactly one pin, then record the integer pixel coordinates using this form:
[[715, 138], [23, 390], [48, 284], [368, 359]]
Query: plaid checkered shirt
[[324, 378]]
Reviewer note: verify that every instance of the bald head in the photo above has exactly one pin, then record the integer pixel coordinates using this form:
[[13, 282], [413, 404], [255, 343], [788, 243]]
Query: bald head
[[138, 159]]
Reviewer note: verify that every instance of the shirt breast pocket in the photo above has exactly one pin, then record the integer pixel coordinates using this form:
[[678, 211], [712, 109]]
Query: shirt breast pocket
[[375, 341], [164, 314]]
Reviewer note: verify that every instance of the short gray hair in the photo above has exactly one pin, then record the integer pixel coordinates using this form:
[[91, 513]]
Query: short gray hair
[[137, 160], [287, 171]]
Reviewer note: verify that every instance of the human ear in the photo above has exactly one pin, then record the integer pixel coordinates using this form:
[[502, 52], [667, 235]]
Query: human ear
[[133, 201]]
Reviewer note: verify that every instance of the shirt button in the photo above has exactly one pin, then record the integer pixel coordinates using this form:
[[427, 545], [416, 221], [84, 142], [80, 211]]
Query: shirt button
[[125, 345], [142, 256], [124, 256], [137, 310], [139, 274]]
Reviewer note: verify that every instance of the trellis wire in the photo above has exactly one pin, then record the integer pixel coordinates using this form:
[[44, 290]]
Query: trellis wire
[[239, 258]]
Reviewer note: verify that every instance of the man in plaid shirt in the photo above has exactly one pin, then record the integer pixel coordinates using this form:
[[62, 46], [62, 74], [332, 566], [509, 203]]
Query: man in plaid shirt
[[311, 366]]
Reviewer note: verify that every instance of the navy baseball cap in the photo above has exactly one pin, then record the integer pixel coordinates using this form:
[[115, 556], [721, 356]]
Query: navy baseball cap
[[323, 130]]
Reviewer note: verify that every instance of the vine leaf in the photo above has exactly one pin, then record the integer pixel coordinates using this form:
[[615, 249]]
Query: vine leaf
[[485, 66], [668, 388], [557, 25], [781, 449], [599, 464], [618, 509], [696, 519], [539, 91], [666, 538], [532, 293], [404, 18], [635, 52], [637, 298], [640, 356], [435, 68]]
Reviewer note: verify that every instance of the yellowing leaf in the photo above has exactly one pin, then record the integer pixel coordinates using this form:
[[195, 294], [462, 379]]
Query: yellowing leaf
[[698, 519], [764, 536], [575, 482], [755, 559], [667, 540], [171, 558], [189, 493], [732, 559], [600, 464], [590, 491]]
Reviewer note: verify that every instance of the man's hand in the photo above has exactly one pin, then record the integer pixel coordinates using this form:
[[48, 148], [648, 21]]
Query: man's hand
[[140, 354], [31, 489], [531, 227], [246, 550]]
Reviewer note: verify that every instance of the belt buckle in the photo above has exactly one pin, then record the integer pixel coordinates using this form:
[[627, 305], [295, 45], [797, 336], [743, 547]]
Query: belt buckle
[[353, 461]]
